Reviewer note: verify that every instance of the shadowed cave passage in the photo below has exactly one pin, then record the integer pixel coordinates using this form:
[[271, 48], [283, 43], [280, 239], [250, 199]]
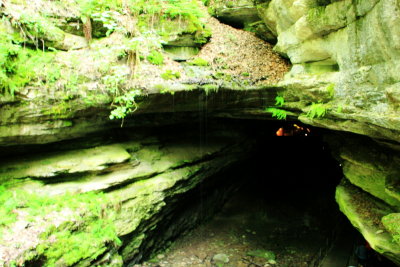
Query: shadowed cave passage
[[236, 188], [283, 201]]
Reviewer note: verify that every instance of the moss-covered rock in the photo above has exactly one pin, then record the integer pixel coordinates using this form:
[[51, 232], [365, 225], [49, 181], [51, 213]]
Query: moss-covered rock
[[71, 162], [371, 167], [358, 41], [236, 13], [365, 213], [369, 191], [54, 209]]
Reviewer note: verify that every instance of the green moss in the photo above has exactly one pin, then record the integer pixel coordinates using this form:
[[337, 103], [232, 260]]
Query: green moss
[[223, 76], [97, 100], [316, 13], [67, 123], [164, 89], [210, 88], [170, 75], [268, 255], [84, 236], [45, 166], [155, 58], [87, 241], [60, 110], [198, 62], [392, 224]]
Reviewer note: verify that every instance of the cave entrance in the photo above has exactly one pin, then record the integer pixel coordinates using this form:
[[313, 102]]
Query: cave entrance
[[283, 208]]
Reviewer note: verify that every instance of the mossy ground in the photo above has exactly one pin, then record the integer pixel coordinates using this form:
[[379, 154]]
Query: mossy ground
[[62, 229], [392, 224]]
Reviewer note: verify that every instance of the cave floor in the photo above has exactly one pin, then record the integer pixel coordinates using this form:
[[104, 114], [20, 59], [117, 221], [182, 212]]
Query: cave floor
[[292, 224]]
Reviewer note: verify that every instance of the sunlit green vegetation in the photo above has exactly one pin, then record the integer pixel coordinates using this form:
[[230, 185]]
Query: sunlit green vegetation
[[76, 238], [198, 62]]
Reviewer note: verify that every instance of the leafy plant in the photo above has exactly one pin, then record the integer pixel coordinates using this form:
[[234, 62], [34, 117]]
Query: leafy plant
[[114, 81], [331, 89], [89, 7], [108, 18], [317, 110], [125, 104], [19, 66], [392, 224], [279, 101], [155, 58], [9, 54], [280, 114]]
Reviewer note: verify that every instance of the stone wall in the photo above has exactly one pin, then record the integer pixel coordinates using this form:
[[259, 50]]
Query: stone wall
[[345, 55]]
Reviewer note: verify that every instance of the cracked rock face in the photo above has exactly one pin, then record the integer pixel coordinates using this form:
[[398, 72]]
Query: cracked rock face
[[147, 180], [348, 48], [369, 193], [345, 57]]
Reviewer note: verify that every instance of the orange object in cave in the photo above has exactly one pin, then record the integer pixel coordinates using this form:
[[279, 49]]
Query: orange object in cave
[[279, 132], [295, 130]]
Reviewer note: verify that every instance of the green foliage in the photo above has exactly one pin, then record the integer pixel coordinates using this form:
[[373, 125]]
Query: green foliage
[[155, 58], [392, 224], [88, 242], [202, 35], [89, 7], [198, 62], [125, 104], [84, 238], [7, 203], [170, 75], [163, 89], [317, 110], [9, 55], [252, 27], [279, 101], [331, 89], [114, 80], [19, 66], [169, 9], [108, 19], [280, 114], [146, 12]]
